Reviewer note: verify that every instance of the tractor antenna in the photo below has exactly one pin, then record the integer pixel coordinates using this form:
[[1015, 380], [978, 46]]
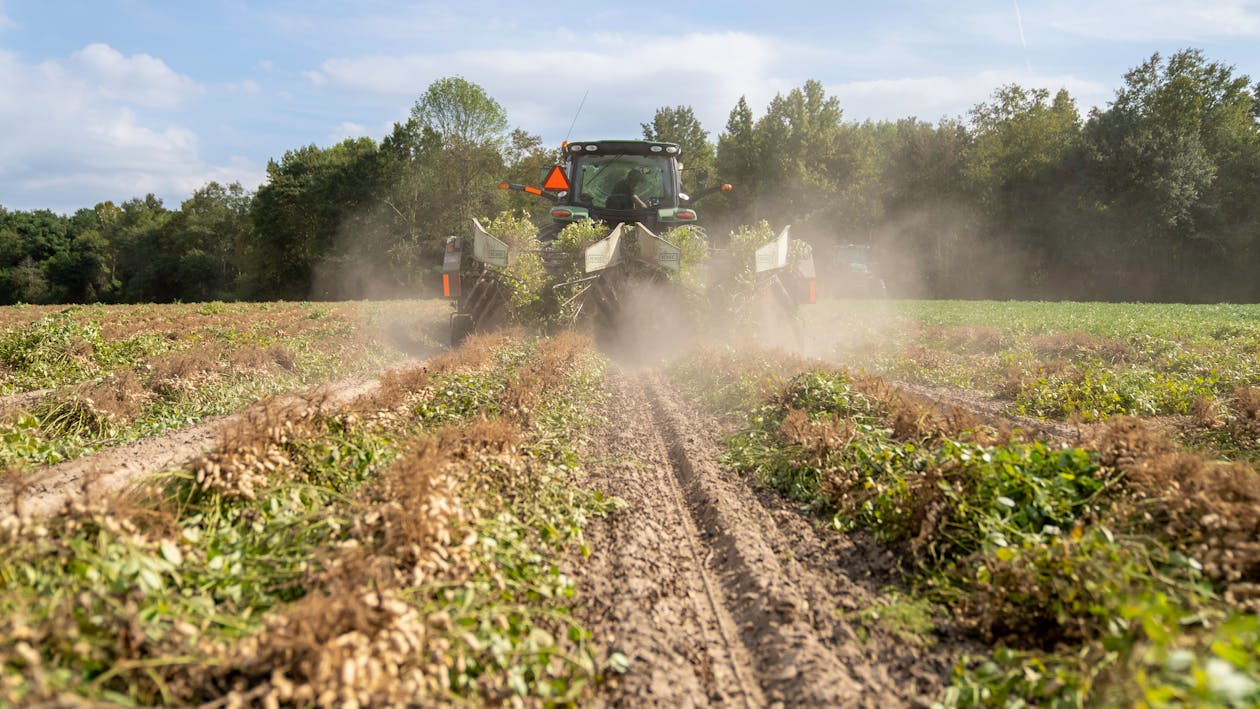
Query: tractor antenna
[[575, 116]]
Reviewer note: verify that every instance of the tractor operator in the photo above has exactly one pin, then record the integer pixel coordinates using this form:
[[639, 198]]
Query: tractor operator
[[623, 195]]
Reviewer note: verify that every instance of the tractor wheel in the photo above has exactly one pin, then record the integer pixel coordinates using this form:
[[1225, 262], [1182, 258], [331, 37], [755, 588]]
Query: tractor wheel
[[461, 328]]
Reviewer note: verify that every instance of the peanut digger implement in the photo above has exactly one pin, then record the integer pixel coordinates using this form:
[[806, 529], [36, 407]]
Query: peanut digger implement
[[654, 245]]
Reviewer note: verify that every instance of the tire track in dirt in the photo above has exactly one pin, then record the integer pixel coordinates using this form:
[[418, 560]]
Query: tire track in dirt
[[44, 491], [648, 593], [698, 586]]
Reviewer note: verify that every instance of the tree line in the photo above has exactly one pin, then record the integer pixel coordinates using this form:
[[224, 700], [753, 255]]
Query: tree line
[[1155, 196]]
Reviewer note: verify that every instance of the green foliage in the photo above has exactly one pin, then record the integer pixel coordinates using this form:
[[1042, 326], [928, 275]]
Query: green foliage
[[1158, 655], [456, 109], [680, 125], [58, 349], [909, 619], [312, 199], [99, 596], [1152, 197], [514, 229], [1094, 393], [744, 242], [1059, 360], [1030, 546], [138, 608]]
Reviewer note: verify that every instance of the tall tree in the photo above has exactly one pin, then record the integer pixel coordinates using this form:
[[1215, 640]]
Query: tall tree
[[922, 243], [131, 233], [445, 161], [737, 162], [1157, 153], [458, 110], [801, 156], [300, 213], [1019, 165], [680, 125]]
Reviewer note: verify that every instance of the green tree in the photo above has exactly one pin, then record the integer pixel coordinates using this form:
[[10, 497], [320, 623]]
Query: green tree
[[303, 212], [801, 159], [680, 125], [738, 162], [1170, 157], [456, 109], [79, 273], [799, 164], [132, 234], [198, 248], [922, 246], [444, 163], [28, 240], [527, 160], [1020, 162]]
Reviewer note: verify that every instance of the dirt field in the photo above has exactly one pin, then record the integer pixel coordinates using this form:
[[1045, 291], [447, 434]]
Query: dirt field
[[525, 521], [715, 594]]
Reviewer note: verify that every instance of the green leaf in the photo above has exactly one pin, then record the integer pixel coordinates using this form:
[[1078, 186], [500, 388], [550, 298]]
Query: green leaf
[[171, 552]]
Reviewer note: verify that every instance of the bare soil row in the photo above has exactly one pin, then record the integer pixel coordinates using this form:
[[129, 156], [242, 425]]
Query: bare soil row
[[720, 596], [44, 491]]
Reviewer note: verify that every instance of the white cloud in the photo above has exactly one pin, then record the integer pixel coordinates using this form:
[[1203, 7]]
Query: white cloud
[[627, 77], [140, 79], [86, 128], [348, 129], [934, 97], [249, 87], [1146, 20]]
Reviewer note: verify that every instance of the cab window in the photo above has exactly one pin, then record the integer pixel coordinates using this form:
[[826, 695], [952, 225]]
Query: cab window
[[601, 176]]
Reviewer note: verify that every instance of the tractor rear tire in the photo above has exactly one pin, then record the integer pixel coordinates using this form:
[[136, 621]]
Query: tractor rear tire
[[461, 328]]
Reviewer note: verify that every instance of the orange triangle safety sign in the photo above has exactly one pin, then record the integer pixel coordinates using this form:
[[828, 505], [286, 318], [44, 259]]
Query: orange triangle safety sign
[[556, 180]]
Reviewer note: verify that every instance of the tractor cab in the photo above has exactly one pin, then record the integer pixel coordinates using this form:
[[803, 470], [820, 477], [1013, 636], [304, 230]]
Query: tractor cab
[[622, 181], [618, 182]]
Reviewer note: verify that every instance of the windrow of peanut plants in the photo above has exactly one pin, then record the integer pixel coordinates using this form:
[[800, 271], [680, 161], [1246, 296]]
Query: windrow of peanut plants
[[1122, 571], [1083, 361], [112, 374], [407, 549]]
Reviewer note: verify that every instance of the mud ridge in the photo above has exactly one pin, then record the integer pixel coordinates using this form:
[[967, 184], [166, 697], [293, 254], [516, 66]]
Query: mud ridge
[[44, 491], [993, 410], [16, 402]]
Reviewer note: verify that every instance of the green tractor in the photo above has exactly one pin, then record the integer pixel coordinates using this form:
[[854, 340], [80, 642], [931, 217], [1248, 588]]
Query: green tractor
[[634, 187]]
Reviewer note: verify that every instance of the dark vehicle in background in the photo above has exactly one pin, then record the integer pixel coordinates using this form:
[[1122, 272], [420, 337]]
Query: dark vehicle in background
[[853, 274]]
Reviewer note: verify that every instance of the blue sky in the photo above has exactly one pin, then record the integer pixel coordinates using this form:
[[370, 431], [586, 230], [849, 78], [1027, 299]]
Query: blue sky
[[113, 99]]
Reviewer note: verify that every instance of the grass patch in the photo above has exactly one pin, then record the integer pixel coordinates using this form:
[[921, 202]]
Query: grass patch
[[1090, 361]]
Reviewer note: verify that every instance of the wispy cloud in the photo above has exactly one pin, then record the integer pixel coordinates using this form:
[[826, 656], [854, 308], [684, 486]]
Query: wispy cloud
[[138, 79], [348, 129], [6, 22], [1147, 20], [934, 97], [248, 87], [630, 76]]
